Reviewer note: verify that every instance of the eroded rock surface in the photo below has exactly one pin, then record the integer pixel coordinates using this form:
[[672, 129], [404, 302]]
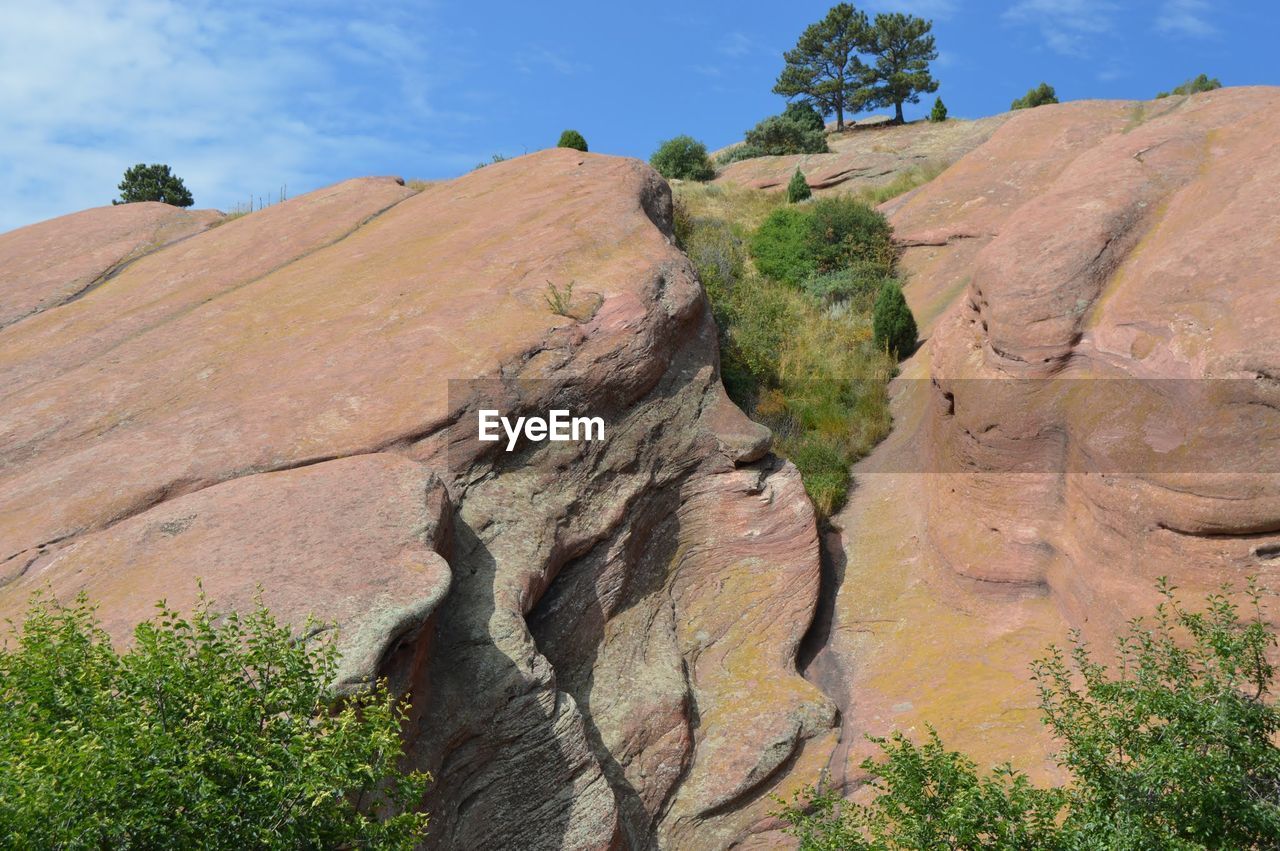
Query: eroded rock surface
[[599, 637], [53, 262], [1096, 406]]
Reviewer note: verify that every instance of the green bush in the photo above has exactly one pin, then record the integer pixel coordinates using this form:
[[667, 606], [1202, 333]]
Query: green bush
[[758, 322], [1202, 83], [824, 470], [781, 246], [804, 114], [683, 158], [1038, 96], [939, 111], [778, 135], [809, 371], [860, 283], [153, 182], [572, 139], [216, 732], [1174, 747], [798, 189], [846, 230], [831, 234], [739, 152], [719, 255], [892, 322]]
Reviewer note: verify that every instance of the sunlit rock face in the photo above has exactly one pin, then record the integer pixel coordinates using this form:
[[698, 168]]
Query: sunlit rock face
[[1096, 404], [1118, 341], [599, 637]]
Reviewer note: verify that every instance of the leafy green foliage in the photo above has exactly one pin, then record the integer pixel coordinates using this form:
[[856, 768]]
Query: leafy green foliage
[[1202, 83], [939, 112], [1174, 746], [798, 130], [858, 283], [903, 49], [153, 183], [778, 135], [1037, 96], [496, 158], [846, 230], [572, 139], [780, 246], [684, 158], [823, 68], [892, 322], [798, 188], [215, 732], [792, 244], [803, 113], [798, 357], [739, 152], [928, 797]]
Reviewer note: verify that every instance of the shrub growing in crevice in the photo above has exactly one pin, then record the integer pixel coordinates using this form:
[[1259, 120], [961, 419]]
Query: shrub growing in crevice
[[796, 346]]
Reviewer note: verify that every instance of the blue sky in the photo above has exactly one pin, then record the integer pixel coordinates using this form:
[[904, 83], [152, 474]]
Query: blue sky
[[242, 98]]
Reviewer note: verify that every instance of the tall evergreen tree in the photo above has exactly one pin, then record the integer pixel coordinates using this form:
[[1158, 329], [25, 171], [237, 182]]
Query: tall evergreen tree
[[823, 68], [903, 49]]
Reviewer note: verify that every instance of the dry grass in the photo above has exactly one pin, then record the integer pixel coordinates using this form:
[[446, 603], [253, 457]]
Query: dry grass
[[812, 374], [739, 206], [903, 181]]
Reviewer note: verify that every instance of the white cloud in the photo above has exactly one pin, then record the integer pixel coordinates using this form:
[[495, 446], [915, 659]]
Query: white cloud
[[531, 60], [1186, 17], [736, 44], [1069, 27], [238, 98]]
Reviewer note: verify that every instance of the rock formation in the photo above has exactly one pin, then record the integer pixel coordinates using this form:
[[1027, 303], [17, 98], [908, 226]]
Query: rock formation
[[599, 638], [1096, 406], [866, 155]]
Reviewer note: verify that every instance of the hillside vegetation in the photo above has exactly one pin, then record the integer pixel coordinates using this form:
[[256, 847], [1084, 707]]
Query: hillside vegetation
[[798, 348]]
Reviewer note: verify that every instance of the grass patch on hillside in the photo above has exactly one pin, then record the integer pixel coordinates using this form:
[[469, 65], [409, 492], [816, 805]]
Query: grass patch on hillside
[[903, 181], [801, 359], [740, 207]]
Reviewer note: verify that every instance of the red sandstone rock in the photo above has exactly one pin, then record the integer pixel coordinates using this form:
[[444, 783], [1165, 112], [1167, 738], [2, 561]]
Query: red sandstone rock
[[269, 402], [866, 156], [1085, 243], [53, 262]]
